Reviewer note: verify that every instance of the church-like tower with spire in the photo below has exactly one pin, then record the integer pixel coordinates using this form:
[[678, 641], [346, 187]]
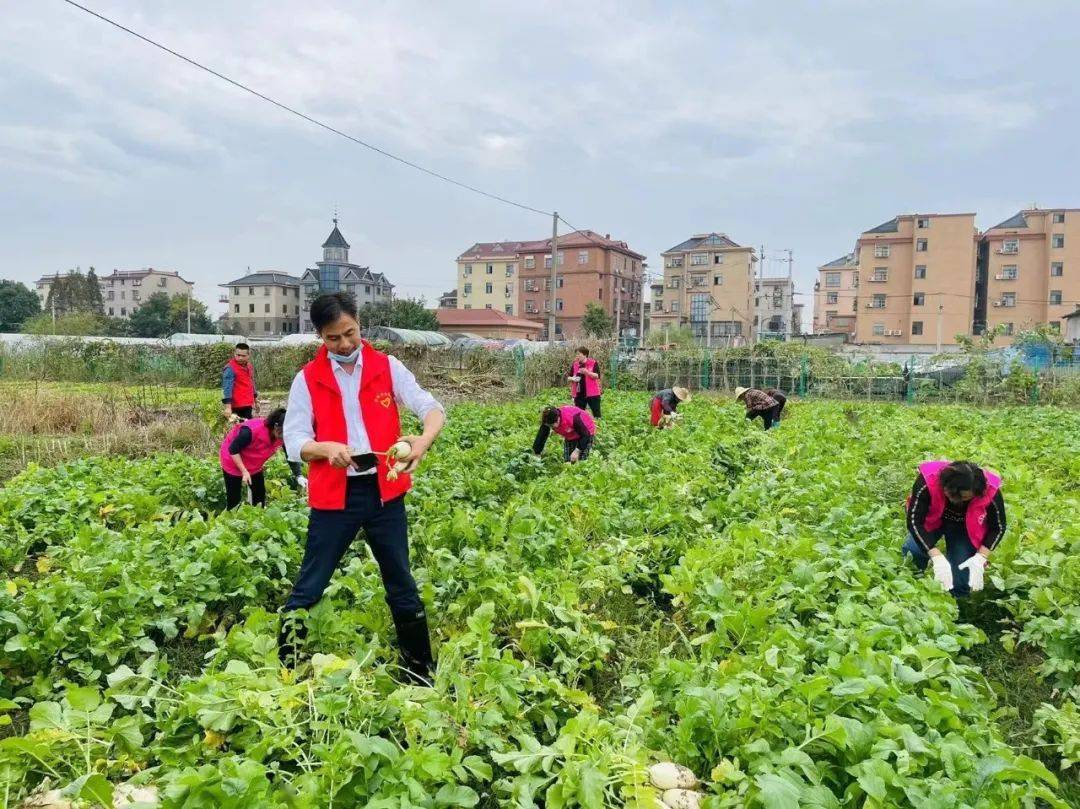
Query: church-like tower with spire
[[336, 274]]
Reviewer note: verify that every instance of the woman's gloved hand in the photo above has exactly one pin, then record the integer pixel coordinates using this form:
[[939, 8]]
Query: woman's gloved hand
[[942, 570], [976, 567]]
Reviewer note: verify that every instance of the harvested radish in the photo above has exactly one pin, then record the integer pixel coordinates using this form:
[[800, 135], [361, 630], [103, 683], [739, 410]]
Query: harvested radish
[[668, 775], [402, 449], [53, 799], [682, 799], [127, 794]]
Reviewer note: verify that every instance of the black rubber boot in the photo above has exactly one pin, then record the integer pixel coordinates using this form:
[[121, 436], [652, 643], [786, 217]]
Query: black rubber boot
[[291, 638], [415, 643]]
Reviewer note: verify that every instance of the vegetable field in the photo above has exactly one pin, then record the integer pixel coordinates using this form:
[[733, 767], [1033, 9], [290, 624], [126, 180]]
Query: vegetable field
[[712, 595]]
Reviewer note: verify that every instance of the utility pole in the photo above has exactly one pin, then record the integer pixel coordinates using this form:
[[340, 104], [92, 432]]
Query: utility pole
[[755, 327], [641, 322], [618, 299], [939, 308], [554, 274], [189, 313]]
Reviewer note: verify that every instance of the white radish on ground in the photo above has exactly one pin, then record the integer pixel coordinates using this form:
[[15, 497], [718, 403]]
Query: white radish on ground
[[682, 799], [669, 775]]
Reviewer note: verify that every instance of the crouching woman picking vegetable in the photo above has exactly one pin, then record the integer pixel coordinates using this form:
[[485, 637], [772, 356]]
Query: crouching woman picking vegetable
[[663, 407], [342, 419], [962, 503], [243, 454], [576, 427]]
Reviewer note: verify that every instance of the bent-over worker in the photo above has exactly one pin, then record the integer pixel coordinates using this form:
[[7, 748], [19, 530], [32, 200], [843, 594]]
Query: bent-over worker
[[244, 452], [768, 404], [576, 427], [665, 404]]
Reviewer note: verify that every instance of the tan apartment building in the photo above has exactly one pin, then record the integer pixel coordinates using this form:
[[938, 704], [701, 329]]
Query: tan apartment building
[[709, 286], [1029, 266], [124, 291], [262, 304], [836, 296], [917, 279], [591, 269], [487, 275]]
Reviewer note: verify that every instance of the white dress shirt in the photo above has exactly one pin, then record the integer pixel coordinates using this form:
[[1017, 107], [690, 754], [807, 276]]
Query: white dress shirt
[[299, 425]]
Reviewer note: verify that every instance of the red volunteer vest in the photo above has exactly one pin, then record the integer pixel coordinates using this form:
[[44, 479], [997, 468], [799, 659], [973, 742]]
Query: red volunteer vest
[[565, 427], [254, 455], [592, 386], [243, 392], [975, 519], [326, 484]]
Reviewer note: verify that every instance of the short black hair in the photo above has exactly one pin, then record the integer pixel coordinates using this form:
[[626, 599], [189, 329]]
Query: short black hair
[[276, 419], [243, 346], [583, 350], [963, 476], [327, 308], [550, 416]]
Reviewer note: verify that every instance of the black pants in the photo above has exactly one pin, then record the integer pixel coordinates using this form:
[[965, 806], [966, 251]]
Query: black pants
[[584, 444], [234, 489], [243, 412], [330, 532], [593, 403]]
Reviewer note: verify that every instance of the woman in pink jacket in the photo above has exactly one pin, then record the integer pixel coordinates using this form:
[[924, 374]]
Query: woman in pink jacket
[[585, 382], [576, 427], [244, 452]]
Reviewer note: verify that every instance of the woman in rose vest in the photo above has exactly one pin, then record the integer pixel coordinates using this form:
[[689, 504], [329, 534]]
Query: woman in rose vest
[[244, 452], [342, 417], [585, 382], [961, 503], [576, 427]]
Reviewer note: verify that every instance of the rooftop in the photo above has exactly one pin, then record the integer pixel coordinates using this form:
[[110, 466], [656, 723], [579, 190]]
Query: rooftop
[[335, 239], [847, 260], [706, 240], [892, 226], [143, 273], [464, 318], [1017, 220], [264, 278], [491, 250]]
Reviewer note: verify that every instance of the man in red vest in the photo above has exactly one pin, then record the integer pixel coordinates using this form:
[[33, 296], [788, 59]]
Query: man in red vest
[[341, 418], [238, 384], [961, 503]]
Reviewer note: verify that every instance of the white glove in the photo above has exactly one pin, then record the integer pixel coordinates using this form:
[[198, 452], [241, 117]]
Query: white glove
[[975, 567], [943, 571], [302, 482]]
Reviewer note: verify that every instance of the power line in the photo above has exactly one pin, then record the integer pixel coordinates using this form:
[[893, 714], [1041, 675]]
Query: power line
[[304, 116]]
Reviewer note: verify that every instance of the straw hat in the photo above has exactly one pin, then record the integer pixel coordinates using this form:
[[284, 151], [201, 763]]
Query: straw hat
[[682, 394], [739, 393]]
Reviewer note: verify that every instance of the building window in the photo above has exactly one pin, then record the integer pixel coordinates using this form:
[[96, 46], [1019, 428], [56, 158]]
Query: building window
[[878, 302], [236, 309], [879, 329], [251, 308], [489, 288], [558, 305], [881, 251], [266, 326], [918, 299], [111, 295], [111, 311], [1008, 273], [880, 274], [251, 290], [1059, 219], [559, 281], [718, 258], [1008, 329], [298, 309], [921, 245], [697, 259], [467, 269], [923, 222], [1008, 299], [916, 328], [509, 308], [920, 270], [1057, 240], [1057, 269], [717, 279], [266, 291], [266, 308], [467, 289], [123, 295], [832, 297], [510, 270], [1055, 297], [547, 262], [489, 269], [583, 257], [235, 290], [285, 309], [467, 306], [487, 305], [832, 279], [675, 262], [123, 311], [1010, 246], [530, 262], [530, 307]]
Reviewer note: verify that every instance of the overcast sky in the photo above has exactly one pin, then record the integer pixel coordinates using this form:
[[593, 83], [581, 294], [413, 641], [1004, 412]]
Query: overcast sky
[[789, 125]]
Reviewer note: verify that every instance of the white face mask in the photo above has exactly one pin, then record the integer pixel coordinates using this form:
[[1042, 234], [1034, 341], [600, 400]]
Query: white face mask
[[345, 358]]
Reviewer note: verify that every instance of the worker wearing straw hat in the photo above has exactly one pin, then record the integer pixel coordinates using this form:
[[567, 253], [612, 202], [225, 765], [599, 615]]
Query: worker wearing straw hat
[[665, 403], [768, 404]]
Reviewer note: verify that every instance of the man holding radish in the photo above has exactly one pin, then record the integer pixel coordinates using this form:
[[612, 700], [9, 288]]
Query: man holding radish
[[961, 503], [342, 418], [585, 382], [576, 427]]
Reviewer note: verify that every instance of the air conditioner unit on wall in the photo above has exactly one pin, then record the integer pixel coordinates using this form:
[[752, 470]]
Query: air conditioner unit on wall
[[898, 332], [997, 303]]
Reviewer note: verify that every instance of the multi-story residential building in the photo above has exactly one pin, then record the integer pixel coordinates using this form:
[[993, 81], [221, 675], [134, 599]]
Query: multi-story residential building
[[917, 279], [263, 304], [590, 269], [124, 291], [836, 296], [448, 300], [773, 302], [708, 286], [487, 276], [335, 274], [1029, 271]]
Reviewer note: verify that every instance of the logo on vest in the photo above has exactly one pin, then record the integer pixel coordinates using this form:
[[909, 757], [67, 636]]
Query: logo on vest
[[384, 399]]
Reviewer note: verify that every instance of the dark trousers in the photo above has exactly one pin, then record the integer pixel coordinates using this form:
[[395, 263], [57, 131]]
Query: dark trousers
[[770, 416], [593, 403], [584, 444], [958, 549], [330, 532], [243, 412], [234, 490]]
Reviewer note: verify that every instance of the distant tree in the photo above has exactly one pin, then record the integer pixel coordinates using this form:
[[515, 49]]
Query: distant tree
[[75, 293], [153, 317], [679, 336], [73, 323], [18, 303], [597, 322], [401, 313], [200, 319]]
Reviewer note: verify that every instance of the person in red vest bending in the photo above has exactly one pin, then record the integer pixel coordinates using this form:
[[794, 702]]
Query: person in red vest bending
[[585, 382], [244, 452], [238, 384], [342, 417], [962, 503], [576, 427], [665, 404]]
